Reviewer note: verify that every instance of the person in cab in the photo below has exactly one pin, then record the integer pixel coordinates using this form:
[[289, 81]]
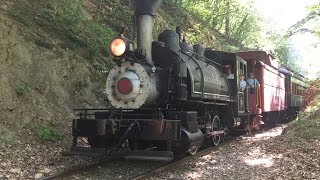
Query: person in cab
[[229, 74], [253, 83], [243, 83]]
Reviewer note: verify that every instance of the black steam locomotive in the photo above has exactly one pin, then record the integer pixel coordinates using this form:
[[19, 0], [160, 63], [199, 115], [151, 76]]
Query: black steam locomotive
[[168, 96]]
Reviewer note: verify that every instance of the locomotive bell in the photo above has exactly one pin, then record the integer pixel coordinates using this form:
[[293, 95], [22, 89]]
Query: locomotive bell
[[171, 39], [199, 50], [185, 47]]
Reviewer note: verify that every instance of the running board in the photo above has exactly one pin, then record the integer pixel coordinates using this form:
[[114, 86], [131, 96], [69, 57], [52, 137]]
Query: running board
[[85, 151], [165, 156]]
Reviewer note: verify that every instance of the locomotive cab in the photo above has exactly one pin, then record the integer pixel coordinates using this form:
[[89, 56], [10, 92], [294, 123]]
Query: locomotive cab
[[233, 67]]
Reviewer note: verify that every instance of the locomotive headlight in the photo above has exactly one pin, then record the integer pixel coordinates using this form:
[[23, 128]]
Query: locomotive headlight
[[117, 47]]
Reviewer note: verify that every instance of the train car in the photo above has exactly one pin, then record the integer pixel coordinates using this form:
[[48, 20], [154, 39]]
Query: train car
[[295, 86], [268, 99]]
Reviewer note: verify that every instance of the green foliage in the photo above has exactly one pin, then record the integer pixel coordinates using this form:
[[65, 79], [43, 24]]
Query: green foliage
[[21, 89], [308, 24], [313, 17], [284, 51], [237, 23], [306, 129], [96, 36], [83, 29], [120, 13], [47, 133], [307, 124], [6, 136], [70, 13], [193, 35], [17, 14]]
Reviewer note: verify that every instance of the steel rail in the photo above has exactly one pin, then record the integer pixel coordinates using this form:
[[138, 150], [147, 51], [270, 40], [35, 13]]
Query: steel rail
[[81, 168], [173, 164]]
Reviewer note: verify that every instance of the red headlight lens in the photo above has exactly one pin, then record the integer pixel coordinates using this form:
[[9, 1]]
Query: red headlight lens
[[124, 86]]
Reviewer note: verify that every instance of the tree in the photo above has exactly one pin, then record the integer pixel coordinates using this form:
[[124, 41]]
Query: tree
[[238, 24], [308, 24]]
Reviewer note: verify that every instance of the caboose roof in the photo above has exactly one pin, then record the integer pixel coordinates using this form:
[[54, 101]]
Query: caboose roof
[[260, 56]]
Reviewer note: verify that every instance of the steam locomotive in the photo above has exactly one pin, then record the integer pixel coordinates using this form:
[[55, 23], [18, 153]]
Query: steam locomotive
[[172, 97]]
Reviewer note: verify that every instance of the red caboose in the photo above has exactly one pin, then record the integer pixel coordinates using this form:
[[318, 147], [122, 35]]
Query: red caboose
[[267, 98]]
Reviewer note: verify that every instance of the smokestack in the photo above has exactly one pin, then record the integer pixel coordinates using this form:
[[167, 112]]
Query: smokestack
[[145, 11]]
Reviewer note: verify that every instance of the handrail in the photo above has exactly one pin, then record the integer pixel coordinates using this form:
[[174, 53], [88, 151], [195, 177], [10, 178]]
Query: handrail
[[258, 97], [199, 68], [202, 57]]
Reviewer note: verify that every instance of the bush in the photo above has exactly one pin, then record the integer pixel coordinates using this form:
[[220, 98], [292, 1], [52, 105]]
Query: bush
[[46, 133], [83, 30], [6, 136], [307, 124], [97, 37], [21, 89], [305, 129], [70, 12]]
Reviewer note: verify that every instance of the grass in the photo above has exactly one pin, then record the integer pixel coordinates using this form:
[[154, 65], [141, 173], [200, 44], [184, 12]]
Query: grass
[[307, 124], [6, 136], [47, 133], [70, 21], [21, 89], [305, 129], [84, 30]]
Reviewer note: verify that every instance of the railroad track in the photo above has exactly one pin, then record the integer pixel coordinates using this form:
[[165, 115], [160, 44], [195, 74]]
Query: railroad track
[[68, 173], [199, 154], [145, 175], [179, 161]]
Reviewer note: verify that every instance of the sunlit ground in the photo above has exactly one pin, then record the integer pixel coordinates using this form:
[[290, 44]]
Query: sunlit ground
[[248, 151], [266, 162], [256, 157], [264, 135]]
